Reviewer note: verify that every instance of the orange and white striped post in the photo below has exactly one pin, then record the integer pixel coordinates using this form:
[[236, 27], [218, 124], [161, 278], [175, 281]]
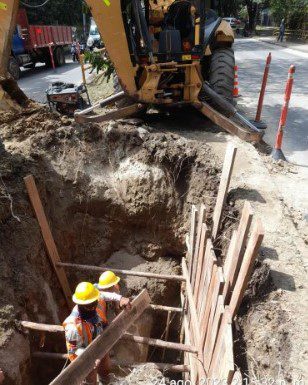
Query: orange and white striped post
[[277, 152], [235, 84], [258, 123]]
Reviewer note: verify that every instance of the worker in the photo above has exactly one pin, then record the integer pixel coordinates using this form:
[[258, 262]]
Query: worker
[[108, 285], [86, 321]]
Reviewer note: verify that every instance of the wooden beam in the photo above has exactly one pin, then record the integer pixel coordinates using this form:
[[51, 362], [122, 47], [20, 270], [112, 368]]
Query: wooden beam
[[227, 124], [223, 188], [217, 354], [165, 367], [191, 358], [250, 255], [129, 337], [77, 266], [192, 235], [193, 271], [83, 364], [166, 308], [237, 251], [48, 238], [42, 327], [212, 333], [159, 343], [194, 320], [205, 234]]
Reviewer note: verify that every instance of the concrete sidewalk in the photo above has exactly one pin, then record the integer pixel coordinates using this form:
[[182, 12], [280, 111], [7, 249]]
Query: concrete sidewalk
[[303, 47]]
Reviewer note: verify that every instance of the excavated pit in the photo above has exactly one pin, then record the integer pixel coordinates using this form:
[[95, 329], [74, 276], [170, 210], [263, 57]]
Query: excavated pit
[[119, 194]]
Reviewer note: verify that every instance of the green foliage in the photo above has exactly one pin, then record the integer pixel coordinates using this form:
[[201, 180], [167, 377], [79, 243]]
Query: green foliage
[[99, 63], [293, 11]]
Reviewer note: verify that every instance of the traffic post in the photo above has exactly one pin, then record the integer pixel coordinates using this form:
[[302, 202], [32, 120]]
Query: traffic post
[[277, 153], [258, 122], [235, 84]]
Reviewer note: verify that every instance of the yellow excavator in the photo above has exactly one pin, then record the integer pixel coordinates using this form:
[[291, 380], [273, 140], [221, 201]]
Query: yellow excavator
[[165, 53]]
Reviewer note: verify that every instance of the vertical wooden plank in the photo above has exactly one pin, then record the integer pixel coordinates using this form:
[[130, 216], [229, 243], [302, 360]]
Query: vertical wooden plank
[[250, 255], [229, 257], [194, 320], [210, 262], [167, 332], [47, 236], [216, 287], [238, 250], [192, 235], [223, 187], [205, 234], [219, 345], [212, 332], [201, 218]]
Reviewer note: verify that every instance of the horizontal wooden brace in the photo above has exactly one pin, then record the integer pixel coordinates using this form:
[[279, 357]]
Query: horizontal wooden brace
[[130, 337], [120, 271]]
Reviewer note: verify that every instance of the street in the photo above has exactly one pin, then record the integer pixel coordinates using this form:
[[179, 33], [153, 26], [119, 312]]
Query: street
[[250, 57], [34, 82]]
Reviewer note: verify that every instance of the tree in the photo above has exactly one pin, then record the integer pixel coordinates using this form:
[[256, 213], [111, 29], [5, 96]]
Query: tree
[[293, 11]]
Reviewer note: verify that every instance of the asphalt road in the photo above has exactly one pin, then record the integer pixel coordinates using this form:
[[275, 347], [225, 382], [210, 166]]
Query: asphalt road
[[34, 82], [250, 57]]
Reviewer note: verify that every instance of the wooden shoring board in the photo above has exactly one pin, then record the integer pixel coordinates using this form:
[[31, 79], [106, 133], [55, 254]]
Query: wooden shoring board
[[212, 332], [216, 286], [201, 217], [237, 378], [51, 247], [205, 234], [229, 256], [237, 252], [223, 188], [226, 322], [244, 274], [194, 325], [77, 370], [210, 261], [189, 358], [192, 236], [225, 370]]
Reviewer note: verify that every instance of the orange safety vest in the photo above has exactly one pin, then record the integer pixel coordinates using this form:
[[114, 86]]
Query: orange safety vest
[[83, 327]]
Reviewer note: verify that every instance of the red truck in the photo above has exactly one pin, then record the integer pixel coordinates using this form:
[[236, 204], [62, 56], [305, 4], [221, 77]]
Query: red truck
[[35, 43]]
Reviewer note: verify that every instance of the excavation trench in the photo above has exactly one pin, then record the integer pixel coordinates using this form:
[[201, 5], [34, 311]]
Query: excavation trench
[[118, 194], [114, 194]]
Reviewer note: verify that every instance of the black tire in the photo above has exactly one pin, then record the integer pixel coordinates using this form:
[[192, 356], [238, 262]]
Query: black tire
[[221, 73], [13, 68], [59, 57]]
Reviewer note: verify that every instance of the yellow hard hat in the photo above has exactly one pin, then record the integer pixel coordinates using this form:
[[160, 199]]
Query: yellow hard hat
[[85, 293], [107, 279]]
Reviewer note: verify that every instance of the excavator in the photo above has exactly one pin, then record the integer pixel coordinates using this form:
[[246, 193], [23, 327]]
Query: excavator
[[166, 53]]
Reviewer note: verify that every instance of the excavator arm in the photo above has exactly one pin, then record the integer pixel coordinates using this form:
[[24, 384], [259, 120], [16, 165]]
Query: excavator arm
[[10, 95]]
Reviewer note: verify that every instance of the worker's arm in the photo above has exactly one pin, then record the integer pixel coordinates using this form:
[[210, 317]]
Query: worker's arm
[[73, 341], [115, 297]]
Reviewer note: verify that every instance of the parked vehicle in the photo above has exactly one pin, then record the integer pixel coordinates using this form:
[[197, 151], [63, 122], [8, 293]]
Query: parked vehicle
[[234, 23], [94, 39], [31, 44]]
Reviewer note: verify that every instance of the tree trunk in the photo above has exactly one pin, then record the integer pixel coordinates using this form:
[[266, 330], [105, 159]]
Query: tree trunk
[[252, 12]]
